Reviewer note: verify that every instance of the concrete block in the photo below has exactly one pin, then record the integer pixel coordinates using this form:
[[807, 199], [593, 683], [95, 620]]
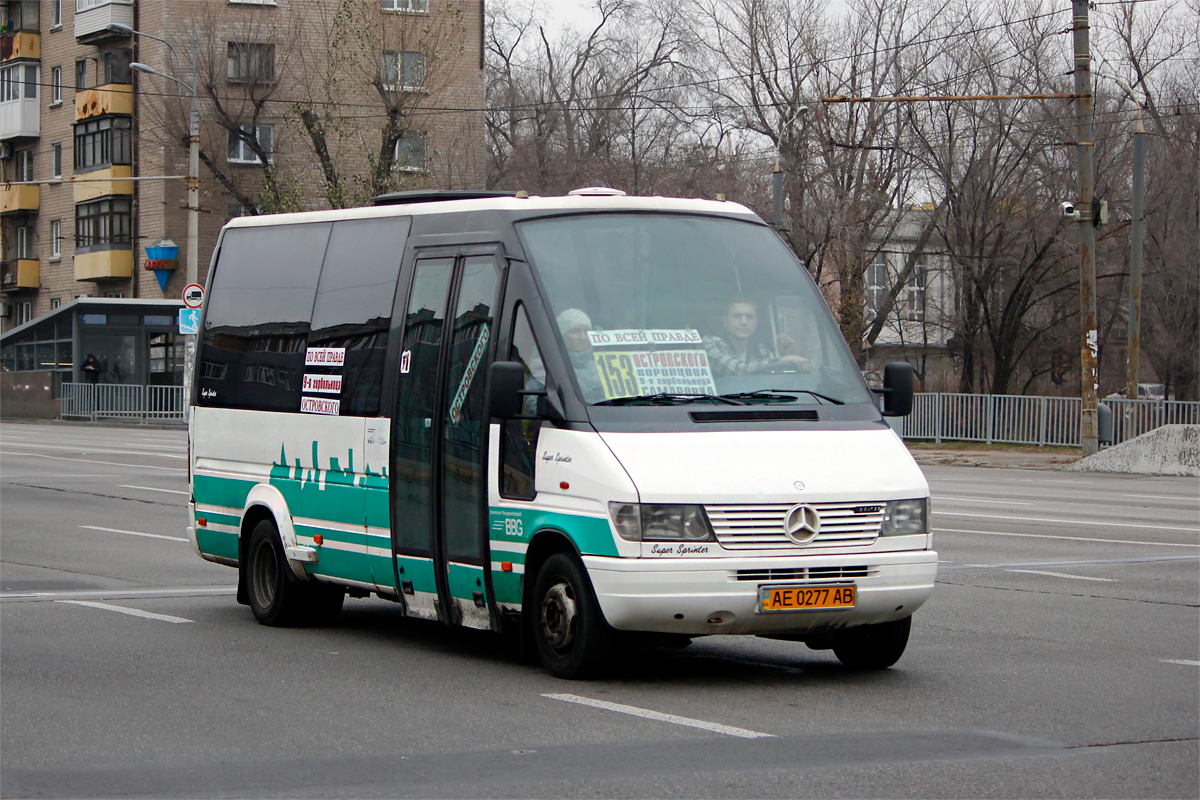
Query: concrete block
[[1169, 450]]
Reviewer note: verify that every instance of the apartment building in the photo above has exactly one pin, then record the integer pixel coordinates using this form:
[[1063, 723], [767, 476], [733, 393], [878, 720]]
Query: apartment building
[[301, 104]]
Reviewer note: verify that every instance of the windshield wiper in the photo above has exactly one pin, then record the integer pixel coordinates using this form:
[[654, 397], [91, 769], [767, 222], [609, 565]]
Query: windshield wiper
[[670, 399], [782, 394]]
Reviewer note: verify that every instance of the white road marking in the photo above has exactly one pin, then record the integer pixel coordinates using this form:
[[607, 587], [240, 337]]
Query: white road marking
[[1162, 496], [94, 461], [116, 594], [1180, 661], [151, 489], [133, 533], [715, 727], [1083, 522], [1065, 538], [84, 449], [1061, 575], [975, 500], [133, 612]]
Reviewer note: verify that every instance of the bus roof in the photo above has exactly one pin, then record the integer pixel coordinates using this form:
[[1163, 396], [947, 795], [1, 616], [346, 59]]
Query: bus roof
[[518, 206]]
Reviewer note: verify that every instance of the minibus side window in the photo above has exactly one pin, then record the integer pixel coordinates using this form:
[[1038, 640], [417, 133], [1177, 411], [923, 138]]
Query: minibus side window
[[518, 444], [257, 317], [353, 309]]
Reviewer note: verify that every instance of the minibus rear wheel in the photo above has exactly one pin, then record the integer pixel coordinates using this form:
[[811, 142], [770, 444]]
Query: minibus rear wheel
[[569, 632], [276, 598], [873, 646]]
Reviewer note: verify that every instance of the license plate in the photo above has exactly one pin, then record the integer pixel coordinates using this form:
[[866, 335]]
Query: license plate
[[798, 598]]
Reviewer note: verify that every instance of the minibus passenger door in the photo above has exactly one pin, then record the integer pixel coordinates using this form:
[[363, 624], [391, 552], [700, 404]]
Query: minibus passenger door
[[439, 438]]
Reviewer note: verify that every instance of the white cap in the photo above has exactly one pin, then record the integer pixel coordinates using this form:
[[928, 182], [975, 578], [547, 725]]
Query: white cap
[[571, 319]]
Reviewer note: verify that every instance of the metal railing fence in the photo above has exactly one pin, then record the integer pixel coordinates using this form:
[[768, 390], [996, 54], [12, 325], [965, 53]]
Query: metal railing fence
[[95, 401], [988, 418], [1020, 419]]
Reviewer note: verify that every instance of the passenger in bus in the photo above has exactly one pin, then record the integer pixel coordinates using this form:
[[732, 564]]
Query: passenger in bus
[[736, 354], [574, 326]]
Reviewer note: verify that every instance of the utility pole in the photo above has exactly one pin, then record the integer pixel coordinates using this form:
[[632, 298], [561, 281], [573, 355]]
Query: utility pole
[[1135, 254], [1084, 149]]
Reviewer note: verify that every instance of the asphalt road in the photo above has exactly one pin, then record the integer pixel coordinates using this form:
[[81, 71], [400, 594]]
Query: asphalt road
[[1059, 657]]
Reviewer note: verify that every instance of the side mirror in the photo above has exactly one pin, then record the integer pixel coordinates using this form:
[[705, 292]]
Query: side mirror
[[897, 389], [506, 382]]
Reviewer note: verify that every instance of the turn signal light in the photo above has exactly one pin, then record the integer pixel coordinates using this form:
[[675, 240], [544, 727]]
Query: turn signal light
[[318, 539], [506, 566]]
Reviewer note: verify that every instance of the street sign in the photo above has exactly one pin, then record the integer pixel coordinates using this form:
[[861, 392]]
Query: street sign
[[193, 295], [189, 321]]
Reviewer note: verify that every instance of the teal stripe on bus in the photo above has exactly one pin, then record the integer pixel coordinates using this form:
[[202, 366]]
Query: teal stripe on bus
[[507, 587], [217, 543], [592, 535], [340, 564], [464, 580], [210, 490], [419, 571]]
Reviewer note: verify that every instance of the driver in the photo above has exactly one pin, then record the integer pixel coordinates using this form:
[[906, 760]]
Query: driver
[[735, 354]]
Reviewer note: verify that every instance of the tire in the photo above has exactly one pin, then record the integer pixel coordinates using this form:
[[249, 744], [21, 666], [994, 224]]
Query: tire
[[276, 597], [569, 632], [873, 647]]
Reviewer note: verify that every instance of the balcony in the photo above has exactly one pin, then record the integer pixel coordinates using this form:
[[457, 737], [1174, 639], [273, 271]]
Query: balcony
[[104, 265], [111, 98], [19, 199], [17, 274], [99, 183], [92, 18], [22, 45]]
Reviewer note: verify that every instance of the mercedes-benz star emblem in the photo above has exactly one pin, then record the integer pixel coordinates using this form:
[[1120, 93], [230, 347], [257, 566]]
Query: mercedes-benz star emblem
[[799, 485], [802, 524]]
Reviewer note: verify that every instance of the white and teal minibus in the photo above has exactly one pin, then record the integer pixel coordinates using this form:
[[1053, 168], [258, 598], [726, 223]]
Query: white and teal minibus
[[576, 418]]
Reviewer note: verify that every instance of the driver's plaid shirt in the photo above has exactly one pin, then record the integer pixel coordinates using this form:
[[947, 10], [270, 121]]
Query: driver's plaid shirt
[[724, 361]]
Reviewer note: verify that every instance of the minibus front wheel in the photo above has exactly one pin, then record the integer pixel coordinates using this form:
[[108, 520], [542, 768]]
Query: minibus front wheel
[[276, 597], [569, 632], [871, 647]]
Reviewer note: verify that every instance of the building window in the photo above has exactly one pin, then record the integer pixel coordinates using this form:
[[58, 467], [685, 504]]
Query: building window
[[913, 308], [56, 161], [56, 238], [240, 151], [81, 75], [251, 62], [405, 5], [102, 222], [116, 67], [19, 81], [102, 142], [24, 237], [403, 70], [20, 17], [55, 14], [55, 302], [55, 85], [24, 312], [876, 284], [24, 165], [410, 152], [114, 294]]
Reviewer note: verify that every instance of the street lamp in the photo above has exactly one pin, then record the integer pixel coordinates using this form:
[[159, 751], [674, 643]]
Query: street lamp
[[193, 182]]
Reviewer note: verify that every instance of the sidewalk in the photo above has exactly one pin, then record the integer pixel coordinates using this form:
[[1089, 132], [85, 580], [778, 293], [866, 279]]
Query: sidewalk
[[999, 456]]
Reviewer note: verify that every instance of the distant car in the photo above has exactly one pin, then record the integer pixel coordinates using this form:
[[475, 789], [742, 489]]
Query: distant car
[[1146, 391]]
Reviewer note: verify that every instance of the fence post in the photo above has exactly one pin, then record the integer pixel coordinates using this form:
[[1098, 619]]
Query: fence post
[[937, 417], [1043, 413], [991, 415]]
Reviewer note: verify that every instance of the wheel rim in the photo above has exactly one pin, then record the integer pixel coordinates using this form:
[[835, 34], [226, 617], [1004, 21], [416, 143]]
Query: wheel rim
[[265, 575], [558, 617]]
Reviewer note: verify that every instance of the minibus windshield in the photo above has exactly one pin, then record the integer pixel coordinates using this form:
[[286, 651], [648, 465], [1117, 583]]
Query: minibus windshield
[[666, 309]]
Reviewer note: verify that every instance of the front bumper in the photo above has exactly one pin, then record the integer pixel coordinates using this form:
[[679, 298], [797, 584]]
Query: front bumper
[[704, 595]]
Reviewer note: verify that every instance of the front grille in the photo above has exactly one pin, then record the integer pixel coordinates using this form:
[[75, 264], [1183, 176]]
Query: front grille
[[805, 573], [760, 527]]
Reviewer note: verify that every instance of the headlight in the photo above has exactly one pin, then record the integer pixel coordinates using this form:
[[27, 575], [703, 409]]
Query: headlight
[[658, 522], [901, 517]]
